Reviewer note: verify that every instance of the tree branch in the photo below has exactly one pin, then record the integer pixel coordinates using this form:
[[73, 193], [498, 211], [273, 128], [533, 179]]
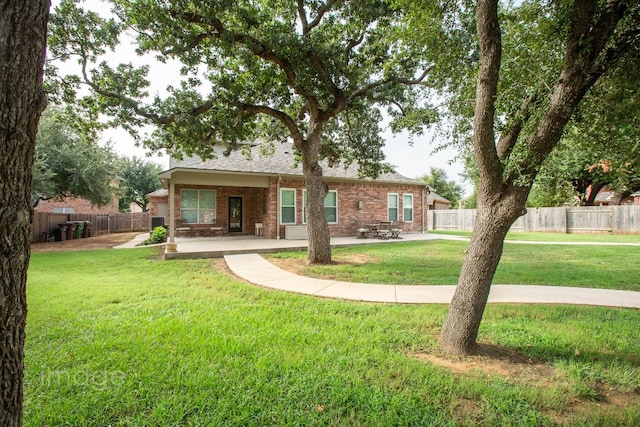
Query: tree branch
[[401, 80], [488, 29], [253, 45], [507, 141], [307, 27], [133, 104], [586, 43], [284, 118]]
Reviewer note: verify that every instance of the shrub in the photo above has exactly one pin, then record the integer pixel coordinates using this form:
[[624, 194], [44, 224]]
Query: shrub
[[158, 235]]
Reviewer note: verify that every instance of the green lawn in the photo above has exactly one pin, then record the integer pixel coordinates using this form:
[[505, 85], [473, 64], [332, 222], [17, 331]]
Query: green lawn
[[118, 337], [438, 262]]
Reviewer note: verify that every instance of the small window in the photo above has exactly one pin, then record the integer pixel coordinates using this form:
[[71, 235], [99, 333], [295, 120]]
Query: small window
[[392, 206], [330, 207], [198, 206], [64, 210], [407, 207], [287, 206]]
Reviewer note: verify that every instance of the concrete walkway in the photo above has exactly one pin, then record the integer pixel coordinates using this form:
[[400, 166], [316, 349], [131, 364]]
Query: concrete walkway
[[241, 255], [257, 270]]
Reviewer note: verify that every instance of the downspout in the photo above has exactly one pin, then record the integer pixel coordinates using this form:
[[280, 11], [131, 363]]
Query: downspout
[[278, 208], [425, 209]]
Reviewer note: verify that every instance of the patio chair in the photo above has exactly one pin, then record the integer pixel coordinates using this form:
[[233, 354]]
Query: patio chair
[[215, 228], [396, 229], [384, 230], [363, 230], [182, 226]]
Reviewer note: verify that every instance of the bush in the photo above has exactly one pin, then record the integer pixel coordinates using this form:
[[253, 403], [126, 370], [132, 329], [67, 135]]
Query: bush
[[158, 235]]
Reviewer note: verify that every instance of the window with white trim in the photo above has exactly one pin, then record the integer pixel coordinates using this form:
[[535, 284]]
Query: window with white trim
[[407, 207], [64, 210], [198, 206], [330, 207], [392, 206], [287, 206]]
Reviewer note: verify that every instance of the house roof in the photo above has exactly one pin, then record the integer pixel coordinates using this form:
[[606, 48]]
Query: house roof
[[604, 196], [162, 192], [281, 162], [434, 197]]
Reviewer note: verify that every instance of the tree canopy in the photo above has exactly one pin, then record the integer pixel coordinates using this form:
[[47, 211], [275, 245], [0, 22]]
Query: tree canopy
[[138, 178], [437, 179], [601, 147], [69, 166], [315, 72]]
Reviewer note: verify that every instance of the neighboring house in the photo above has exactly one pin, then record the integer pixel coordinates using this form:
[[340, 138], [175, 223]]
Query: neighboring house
[[606, 197], [437, 202], [636, 198], [76, 205], [267, 194]]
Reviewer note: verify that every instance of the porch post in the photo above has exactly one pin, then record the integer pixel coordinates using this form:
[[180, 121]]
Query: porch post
[[172, 246], [278, 208], [172, 213]]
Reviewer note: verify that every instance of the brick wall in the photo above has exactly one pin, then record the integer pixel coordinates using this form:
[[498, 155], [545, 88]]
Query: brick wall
[[374, 205], [261, 204]]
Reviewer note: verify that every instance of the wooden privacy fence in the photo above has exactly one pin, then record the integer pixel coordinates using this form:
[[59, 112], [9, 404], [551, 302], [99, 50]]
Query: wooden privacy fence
[[44, 225], [581, 219]]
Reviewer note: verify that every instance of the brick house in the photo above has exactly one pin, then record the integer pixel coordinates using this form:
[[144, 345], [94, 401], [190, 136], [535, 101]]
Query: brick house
[[266, 194]]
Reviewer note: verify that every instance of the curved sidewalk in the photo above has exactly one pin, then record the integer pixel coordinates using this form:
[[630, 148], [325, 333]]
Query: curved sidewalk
[[257, 270]]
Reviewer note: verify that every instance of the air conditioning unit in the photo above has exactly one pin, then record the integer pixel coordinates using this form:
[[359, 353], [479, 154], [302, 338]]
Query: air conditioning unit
[[295, 232], [157, 221]]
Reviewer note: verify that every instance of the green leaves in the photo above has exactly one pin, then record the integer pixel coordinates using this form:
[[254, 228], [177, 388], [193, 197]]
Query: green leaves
[[139, 178], [242, 61], [449, 189], [68, 166]]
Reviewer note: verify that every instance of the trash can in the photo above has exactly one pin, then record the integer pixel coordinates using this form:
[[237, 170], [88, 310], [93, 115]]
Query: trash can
[[71, 229], [79, 228], [86, 232], [60, 233]]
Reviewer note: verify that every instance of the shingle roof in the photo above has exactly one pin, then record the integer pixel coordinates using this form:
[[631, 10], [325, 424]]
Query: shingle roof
[[281, 162], [161, 192], [433, 196]]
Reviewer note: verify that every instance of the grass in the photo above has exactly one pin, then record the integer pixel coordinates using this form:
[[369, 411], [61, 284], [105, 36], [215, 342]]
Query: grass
[[555, 237], [438, 262], [117, 337]]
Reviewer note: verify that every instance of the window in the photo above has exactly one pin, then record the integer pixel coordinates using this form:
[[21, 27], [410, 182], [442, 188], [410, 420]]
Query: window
[[287, 206], [407, 207], [392, 206], [64, 210], [330, 207], [198, 206]]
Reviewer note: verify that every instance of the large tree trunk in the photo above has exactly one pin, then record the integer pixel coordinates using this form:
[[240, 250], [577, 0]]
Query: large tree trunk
[[501, 198], [493, 221], [23, 28], [319, 251]]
